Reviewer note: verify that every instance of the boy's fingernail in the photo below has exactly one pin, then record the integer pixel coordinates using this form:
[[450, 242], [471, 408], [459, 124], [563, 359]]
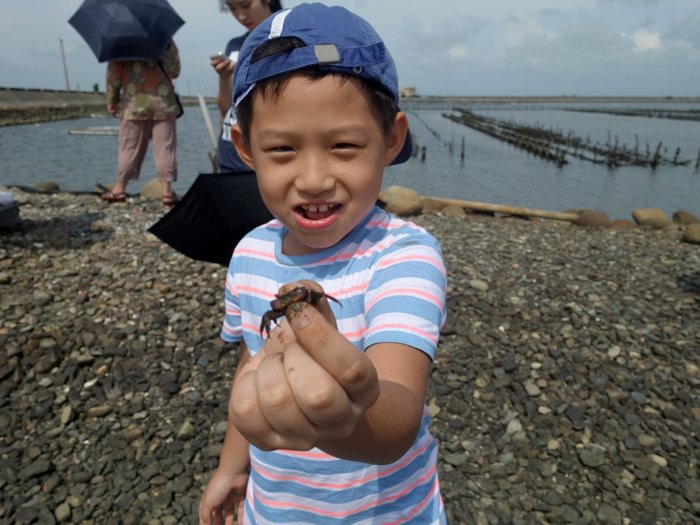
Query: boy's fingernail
[[299, 314]]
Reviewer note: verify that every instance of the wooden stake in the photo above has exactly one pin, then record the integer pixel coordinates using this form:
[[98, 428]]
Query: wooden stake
[[510, 210], [657, 155]]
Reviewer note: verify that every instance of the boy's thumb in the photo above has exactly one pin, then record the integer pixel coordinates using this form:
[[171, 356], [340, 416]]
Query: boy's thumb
[[300, 315]]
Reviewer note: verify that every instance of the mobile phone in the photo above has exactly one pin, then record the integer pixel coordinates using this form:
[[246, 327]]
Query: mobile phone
[[219, 56]]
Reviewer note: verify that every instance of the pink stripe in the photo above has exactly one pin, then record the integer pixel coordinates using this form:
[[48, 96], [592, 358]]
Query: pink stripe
[[437, 263], [372, 249], [419, 507], [229, 331], [407, 291], [404, 328], [342, 514], [357, 254], [307, 454], [356, 335], [257, 292], [393, 224], [231, 287], [380, 473], [255, 254], [384, 223], [388, 225], [249, 327], [349, 291]]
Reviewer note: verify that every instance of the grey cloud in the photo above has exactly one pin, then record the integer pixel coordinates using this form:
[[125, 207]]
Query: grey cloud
[[632, 3], [429, 45], [684, 31]]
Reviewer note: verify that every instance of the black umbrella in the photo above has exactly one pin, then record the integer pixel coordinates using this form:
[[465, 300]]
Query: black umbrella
[[126, 29], [213, 216]]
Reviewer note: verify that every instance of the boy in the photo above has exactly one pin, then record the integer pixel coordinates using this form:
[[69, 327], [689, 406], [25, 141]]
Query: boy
[[327, 419]]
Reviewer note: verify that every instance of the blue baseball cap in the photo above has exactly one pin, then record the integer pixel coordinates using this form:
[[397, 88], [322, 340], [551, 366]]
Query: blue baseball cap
[[334, 40]]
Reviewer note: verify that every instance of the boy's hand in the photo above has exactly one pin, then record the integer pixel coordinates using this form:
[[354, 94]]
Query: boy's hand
[[308, 385], [224, 495]]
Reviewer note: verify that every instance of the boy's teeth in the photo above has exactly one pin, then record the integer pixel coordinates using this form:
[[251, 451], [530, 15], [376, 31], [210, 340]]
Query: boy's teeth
[[320, 208]]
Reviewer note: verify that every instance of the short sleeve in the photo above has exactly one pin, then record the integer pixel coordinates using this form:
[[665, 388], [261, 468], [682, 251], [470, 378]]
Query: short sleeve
[[405, 299], [231, 330]]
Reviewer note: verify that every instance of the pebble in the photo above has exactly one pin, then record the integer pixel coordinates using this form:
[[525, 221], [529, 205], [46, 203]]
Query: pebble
[[565, 391]]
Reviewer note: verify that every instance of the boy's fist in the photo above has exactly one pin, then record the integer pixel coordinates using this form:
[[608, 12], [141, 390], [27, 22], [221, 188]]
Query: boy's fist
[[308, 384]]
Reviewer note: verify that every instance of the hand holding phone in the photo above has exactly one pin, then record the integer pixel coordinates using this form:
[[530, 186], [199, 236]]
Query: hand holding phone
[[218, 57]]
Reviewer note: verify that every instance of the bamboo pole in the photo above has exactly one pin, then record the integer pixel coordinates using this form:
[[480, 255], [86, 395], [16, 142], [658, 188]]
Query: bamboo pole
[[213, 155], [207, 121], [511, 210]]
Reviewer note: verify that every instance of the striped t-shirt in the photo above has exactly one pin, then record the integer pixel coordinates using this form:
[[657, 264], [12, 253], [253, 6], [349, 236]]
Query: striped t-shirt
[[390, 280]]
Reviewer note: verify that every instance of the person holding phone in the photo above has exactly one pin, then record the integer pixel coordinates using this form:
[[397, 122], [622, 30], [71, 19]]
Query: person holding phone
[[194, 226], [249, 13]]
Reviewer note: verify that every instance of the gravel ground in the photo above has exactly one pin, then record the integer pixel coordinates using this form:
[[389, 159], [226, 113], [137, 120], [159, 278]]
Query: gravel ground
[[565, 389]]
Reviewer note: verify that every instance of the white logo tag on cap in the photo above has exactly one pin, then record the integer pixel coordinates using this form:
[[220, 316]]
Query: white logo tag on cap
[[327, 53]]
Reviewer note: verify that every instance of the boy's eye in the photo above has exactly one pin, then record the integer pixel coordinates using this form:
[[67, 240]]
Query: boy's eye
[[344, 145], [279, 149]]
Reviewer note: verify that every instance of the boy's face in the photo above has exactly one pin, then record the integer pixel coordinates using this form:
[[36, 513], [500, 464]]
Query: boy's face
[[319, 153]]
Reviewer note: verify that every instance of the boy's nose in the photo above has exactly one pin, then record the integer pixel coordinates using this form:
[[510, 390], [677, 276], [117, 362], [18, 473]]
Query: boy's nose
[[314, 176]]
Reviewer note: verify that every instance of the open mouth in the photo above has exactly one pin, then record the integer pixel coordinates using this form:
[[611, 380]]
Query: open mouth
[[317, 212]]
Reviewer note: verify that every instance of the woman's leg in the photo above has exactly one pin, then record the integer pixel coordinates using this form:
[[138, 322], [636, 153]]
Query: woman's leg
[[133, 143], [165, 154]]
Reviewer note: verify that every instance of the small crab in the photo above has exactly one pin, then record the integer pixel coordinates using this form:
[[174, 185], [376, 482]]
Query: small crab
[[283, 301]]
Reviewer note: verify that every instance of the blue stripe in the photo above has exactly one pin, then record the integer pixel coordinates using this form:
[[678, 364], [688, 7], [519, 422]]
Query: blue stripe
[[344, 495]]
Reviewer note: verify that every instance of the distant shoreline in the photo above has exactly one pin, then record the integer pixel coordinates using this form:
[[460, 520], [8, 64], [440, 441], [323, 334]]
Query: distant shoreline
[[449, 102], [28, 105], [31, 105], [476, 99]]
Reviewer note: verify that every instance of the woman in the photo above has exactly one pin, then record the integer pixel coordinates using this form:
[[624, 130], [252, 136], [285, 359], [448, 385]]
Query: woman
[[142, 93], [249, 13]]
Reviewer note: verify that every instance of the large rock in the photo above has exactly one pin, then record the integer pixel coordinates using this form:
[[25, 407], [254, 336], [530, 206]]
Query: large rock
[[674, 230], [623, 224], [685, 217], [152, 190], [652, 217], [401, 201], [432, 204], [692, 233], [453, 210], [47, 186], [593, 219]]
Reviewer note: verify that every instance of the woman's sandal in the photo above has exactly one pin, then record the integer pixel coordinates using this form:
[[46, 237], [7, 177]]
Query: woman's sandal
[[169, 200], [110, 197]]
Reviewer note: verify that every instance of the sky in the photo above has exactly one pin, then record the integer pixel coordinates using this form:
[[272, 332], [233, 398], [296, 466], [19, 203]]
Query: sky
[[441, 47]]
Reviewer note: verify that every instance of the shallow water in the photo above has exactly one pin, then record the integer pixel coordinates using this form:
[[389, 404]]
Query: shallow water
[[498, 173], [490, 172]]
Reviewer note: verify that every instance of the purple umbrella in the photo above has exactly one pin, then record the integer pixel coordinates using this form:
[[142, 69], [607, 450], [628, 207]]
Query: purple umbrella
[[126, 29]]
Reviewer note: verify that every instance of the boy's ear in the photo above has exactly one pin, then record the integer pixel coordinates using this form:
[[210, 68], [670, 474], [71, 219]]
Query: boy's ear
[[241, 145], [397, 137]]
